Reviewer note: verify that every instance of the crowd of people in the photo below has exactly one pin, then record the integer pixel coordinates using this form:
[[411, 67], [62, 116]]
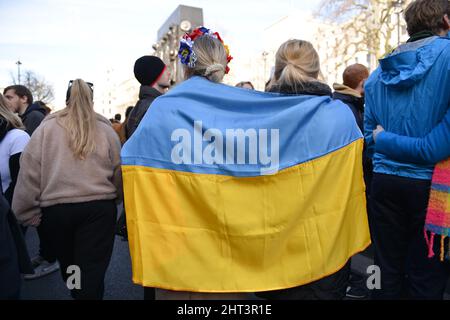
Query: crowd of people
[[63, 172]]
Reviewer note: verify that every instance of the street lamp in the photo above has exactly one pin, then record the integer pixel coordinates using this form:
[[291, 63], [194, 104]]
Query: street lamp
[[398, 4], [265, 54], [18, 70]]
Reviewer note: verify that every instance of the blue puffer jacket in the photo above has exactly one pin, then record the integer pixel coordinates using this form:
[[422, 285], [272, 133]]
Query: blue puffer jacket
[[408, 94]]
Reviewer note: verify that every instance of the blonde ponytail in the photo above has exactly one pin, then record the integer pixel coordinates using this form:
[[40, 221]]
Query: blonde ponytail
[[79, 119], [296, 63], [215, 72]]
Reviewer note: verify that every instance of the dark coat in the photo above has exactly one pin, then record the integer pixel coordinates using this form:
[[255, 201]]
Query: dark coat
[[33, 117], [14, 258], [146, 96]]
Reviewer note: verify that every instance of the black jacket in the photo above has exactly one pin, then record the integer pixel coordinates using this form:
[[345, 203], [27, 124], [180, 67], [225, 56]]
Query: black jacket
[[14, 258], [146, 96], [33, 117]]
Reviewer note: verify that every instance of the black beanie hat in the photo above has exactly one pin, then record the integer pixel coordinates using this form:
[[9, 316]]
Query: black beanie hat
[[148, 69]]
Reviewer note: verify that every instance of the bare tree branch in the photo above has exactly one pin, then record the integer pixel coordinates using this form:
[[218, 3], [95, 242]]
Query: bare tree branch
[[41, 90], [365, 26]]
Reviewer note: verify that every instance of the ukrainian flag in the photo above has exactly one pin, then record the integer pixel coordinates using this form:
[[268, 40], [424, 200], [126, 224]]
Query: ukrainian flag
[[209, 206]]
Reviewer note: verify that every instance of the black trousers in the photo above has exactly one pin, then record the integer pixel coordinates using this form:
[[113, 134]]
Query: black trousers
[[397, 219], [10, 281], [332, 287], [45, 248], [149, 293], [82, 235]]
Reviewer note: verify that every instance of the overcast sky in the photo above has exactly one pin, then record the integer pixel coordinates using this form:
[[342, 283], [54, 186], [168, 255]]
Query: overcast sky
[[67, 39]]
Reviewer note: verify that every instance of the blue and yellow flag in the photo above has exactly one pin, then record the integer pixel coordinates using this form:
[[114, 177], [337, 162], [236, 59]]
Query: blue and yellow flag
[[231, 190]]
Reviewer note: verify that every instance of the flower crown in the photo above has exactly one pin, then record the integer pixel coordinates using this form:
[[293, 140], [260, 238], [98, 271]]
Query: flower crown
[[188, 56]]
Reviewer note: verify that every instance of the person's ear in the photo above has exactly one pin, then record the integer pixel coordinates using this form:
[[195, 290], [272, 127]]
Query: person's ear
[[360, 87], [361, 84], [447, 22]]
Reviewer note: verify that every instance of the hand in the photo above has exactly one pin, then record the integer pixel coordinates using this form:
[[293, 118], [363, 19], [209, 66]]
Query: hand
[[33, 222], [376, 132]]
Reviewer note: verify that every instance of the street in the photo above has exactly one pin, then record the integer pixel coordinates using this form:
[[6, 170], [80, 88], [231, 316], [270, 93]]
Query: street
[[118, 284]]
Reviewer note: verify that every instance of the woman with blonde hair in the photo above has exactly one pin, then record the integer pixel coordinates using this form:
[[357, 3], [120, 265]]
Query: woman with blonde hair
[[68, 183], [14, 257], [204, 54], [297, 72], [231, 191], [13, 140]]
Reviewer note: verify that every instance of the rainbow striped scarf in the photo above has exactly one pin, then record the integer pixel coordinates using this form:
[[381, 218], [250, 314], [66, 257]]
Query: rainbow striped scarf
[[438, 214]]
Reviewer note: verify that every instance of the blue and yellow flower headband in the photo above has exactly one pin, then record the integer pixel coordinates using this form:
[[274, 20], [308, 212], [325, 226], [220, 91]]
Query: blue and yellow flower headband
[[187, 55]]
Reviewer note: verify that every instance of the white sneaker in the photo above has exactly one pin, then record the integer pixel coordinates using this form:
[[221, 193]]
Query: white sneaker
[[36, 261], [44, 268]]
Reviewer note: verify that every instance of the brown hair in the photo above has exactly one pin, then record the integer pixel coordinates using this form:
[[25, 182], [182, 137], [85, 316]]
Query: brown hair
[[211, 59], [354, 74], [426, 15], [296, 63], [21, 91]]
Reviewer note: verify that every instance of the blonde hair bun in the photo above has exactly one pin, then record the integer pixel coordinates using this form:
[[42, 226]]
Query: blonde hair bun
[[211, 58], [215, 72]]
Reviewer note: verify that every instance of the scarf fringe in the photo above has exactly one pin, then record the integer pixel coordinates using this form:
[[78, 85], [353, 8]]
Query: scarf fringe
[[430, 244]]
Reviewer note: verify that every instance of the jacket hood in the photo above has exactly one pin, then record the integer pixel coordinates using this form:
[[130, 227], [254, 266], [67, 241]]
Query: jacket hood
[[358, 103], [410, 62], [343, 89], [34, 107]]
